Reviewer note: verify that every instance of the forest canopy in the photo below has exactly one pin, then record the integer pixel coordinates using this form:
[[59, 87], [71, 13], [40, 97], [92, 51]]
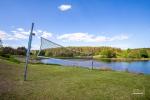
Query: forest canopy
[[100, 52], [97, 52]]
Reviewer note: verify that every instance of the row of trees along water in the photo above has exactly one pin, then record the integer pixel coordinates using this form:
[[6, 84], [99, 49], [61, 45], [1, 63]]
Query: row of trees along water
[[97, 52], [8, 51]]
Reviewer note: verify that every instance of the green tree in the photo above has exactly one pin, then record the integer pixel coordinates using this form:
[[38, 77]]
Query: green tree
[[143, 53], [8, 50], [108, 53], [48, 53], [42, 53], [134, 54], [21, 51], [124, 54]]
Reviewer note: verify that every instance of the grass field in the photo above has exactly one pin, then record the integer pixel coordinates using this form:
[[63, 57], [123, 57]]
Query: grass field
[[53, 82]]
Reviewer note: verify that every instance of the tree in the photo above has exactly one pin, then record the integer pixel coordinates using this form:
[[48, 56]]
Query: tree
[[124, 54], [21, 51], [48, 53], [134, 54], [8, 50], [143, 53], [42, 53], [108, 53]]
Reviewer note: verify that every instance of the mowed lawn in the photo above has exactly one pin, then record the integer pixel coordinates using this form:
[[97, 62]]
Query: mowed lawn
[[53, 82]]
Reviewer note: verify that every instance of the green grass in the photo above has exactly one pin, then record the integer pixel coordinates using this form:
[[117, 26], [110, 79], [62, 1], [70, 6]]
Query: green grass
[[53, 82], [10, 58]]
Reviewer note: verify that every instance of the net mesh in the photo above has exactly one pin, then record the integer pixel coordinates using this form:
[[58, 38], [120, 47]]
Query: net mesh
[[52, 50]]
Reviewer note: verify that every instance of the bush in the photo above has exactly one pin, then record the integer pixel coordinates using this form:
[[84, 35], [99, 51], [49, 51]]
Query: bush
[[134, 54], [21, 51], [143, 53], [9, 57], [5, 55], [108, 53], [13, 60], [48, 53], [8, 50]]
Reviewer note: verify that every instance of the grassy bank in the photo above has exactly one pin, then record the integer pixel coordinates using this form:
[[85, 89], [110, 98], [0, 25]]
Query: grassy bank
[[52, 82]]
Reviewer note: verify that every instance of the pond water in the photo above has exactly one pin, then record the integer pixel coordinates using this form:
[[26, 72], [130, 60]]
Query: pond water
[[134, 66]]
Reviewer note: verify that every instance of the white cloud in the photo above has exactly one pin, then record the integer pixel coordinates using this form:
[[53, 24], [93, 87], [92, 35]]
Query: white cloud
[[20, 36], [35, 47], [20, 29], [119, 37], [75, 37], [64, 7], [43, 34], [2, 34], [46, 34], [20, 33], [121, 45], [85, 37]]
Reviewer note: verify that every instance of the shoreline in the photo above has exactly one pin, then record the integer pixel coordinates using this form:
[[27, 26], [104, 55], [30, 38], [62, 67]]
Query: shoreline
[[122, 59], [102, 59]]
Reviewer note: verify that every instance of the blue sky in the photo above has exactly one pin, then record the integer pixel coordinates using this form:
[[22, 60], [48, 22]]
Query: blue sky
[[117, 23]]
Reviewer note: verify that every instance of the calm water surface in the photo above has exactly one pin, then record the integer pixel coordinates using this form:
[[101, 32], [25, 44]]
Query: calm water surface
[[135, 66]]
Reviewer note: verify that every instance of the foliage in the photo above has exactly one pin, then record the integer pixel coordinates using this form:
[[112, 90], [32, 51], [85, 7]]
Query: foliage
[[9, 57], [134, 54], [5, 55], [48, 53], [21, 51], [108, 53], [143, 53], [76, 51], [8, 50], [124, 54], [12, 51], [101, 52]]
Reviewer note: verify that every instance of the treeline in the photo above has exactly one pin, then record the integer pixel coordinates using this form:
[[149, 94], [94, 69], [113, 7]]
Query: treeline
[[129, 53], [73, 51], [99, 52], [7, 51], [136, 53]]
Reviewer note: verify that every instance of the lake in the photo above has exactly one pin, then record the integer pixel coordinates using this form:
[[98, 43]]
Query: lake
[[134, 66]]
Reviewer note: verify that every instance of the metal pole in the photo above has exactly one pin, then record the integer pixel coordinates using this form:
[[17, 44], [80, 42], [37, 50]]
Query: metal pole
[[28, 53], [92, 59], [92, 63]]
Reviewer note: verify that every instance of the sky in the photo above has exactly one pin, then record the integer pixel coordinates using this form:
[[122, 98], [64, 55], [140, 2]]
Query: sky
[[117, 23]]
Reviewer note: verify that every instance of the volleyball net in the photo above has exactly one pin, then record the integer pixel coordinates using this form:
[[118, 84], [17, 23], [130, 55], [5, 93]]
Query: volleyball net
[[50, 49]]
